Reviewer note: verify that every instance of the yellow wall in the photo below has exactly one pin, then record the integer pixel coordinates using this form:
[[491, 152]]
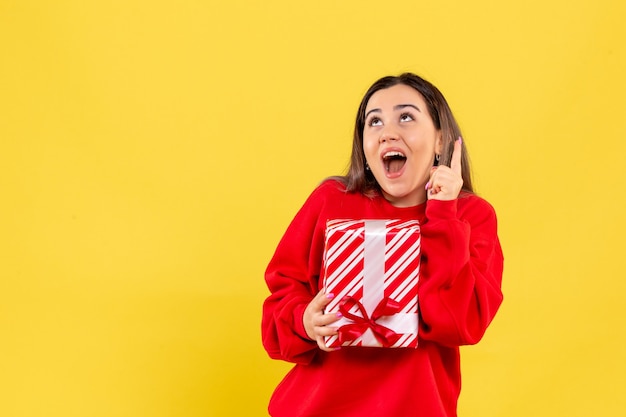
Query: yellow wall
[[152, 153]]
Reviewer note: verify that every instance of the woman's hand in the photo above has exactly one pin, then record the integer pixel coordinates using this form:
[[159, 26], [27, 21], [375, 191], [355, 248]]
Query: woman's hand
[[446, 182], [316, 323]]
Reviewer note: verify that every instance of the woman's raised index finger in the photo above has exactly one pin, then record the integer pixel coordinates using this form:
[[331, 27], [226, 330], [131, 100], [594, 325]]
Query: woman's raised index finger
[[455, 163]]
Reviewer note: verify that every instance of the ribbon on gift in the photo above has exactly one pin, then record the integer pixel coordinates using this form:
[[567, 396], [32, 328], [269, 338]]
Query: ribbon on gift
[[350, 332]]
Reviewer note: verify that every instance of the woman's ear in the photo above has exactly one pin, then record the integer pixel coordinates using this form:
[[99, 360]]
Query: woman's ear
[[439, 143]]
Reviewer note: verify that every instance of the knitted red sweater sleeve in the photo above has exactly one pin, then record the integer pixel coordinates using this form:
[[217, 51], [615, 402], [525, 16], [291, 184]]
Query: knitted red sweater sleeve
[[462, 265], [292, 283]]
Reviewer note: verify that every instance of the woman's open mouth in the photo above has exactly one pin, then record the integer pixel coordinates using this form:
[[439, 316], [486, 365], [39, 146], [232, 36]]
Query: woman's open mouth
[[393, 162]]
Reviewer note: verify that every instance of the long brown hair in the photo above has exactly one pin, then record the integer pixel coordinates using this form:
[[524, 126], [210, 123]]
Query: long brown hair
[[358, 179]]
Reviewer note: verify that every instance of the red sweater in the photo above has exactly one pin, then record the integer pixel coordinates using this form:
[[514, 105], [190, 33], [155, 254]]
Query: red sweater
[[459, 294]]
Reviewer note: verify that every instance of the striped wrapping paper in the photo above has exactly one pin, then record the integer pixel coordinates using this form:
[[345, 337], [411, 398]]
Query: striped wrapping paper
[[373, 262]]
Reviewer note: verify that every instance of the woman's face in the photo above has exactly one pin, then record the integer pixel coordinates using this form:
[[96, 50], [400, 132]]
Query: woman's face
[[400, 142]]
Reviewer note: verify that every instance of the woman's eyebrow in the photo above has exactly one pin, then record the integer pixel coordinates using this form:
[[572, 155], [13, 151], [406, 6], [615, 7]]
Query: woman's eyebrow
[[372, 111], [395, 108], [401, 106]]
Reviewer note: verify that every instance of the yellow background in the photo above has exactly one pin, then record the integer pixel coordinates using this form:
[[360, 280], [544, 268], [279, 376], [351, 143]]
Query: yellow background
[[153, 152]]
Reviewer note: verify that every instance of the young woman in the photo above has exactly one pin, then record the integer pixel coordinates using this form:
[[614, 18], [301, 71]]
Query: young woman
[[408, 162]]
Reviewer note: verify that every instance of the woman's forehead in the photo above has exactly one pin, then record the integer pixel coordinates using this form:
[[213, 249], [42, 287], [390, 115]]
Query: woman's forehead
[[394, 95]]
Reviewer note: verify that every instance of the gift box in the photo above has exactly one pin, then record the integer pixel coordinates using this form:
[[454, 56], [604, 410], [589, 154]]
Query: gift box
[[372, 268]]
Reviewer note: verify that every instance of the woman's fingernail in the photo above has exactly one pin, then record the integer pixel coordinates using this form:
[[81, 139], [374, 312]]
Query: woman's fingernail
[[460, 140], [427, 185], [330, 295], [339, 314]]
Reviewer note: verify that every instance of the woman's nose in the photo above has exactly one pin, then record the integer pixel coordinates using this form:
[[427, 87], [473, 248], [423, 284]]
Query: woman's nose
[[388, 136]]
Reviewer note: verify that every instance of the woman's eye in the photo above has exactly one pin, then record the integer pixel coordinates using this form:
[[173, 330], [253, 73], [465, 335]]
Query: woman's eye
[[406, 117], [375, 121]]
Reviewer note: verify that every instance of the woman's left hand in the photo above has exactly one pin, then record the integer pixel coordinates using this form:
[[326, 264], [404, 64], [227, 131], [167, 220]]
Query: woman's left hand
[[446, 182]]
